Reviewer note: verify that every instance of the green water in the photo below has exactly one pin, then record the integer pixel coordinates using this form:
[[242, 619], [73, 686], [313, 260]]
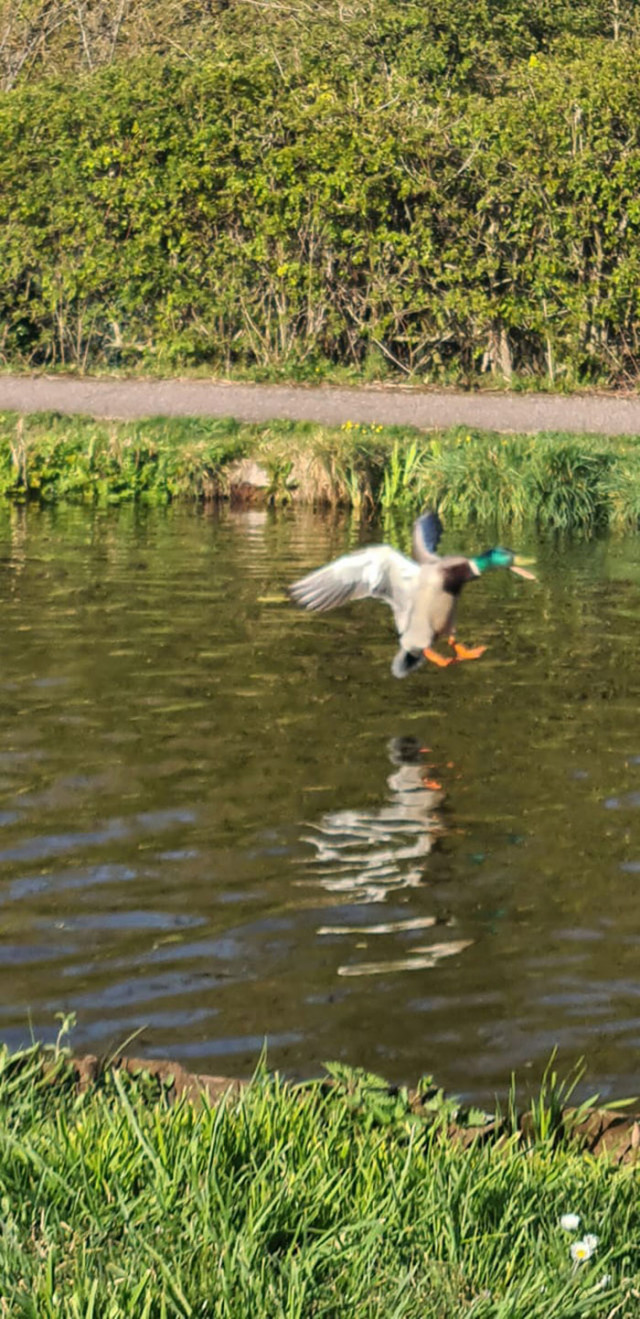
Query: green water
[[218, 820]]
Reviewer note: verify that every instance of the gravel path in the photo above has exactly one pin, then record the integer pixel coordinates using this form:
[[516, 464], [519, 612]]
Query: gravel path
[[602, 414]]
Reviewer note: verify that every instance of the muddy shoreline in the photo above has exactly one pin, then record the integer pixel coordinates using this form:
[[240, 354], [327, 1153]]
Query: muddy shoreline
[[603, 1132]]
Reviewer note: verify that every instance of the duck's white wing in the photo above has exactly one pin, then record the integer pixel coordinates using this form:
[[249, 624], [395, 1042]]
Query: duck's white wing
[[378, 571]]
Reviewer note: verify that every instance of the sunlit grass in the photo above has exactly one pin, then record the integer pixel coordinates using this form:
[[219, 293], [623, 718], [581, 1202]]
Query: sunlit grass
[[558, 481], [290, 1201]]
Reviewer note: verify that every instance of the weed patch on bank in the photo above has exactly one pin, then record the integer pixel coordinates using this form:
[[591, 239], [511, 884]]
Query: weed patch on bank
[[557, 481]]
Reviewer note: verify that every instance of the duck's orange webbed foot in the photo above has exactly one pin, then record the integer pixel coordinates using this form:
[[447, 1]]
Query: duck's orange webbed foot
[[466, 652], [443, 661]]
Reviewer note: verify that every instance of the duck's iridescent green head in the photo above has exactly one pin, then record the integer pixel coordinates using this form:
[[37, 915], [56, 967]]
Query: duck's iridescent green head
[[498, 557]]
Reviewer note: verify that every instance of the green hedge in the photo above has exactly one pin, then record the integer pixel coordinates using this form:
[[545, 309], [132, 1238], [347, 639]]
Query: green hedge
[[468, 45], [235, 211]]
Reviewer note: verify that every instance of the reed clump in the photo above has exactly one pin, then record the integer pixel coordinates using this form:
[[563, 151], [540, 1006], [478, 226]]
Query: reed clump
[[557, 481]]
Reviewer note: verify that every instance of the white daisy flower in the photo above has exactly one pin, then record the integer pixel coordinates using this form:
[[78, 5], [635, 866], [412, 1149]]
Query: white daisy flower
[[581, 1251], [570, 1222], [590, 1241]]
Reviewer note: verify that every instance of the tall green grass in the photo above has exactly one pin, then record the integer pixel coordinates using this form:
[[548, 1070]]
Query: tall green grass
[[559, 481], [290, 1202]]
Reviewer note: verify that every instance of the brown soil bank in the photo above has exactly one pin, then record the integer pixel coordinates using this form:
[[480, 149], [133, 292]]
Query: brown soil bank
[[600, 1132], [598, 414]]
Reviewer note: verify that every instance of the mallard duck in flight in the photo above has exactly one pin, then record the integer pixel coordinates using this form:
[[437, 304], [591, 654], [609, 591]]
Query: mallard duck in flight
[[422, 591]]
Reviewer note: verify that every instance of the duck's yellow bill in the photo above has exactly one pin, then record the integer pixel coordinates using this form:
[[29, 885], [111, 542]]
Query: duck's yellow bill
[[518, 567]]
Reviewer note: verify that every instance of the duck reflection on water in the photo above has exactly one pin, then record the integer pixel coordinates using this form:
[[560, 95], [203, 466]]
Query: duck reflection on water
[[371, 856]]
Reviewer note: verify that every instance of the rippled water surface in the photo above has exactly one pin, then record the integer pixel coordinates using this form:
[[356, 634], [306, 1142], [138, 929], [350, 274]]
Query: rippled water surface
[[222, 819]]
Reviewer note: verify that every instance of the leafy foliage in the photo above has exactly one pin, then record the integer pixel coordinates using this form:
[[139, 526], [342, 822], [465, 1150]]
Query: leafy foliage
[[432, 38], [441, 190], [48, 457]]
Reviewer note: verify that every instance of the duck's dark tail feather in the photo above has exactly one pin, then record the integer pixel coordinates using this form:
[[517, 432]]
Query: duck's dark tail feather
[[405, 661]]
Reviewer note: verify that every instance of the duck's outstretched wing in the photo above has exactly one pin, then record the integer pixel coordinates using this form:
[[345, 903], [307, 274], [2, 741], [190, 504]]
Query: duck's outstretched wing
[[427, 531], [378, 571]]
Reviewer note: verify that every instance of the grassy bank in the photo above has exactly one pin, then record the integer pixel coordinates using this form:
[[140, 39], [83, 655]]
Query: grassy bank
[[559, 481], [297, 1202]]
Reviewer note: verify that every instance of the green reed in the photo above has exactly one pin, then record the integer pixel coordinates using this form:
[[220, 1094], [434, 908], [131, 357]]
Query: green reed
[[558, 481]]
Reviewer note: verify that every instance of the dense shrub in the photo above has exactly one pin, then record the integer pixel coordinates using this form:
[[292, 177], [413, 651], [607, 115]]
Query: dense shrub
[[467, 45], [444, 205]]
